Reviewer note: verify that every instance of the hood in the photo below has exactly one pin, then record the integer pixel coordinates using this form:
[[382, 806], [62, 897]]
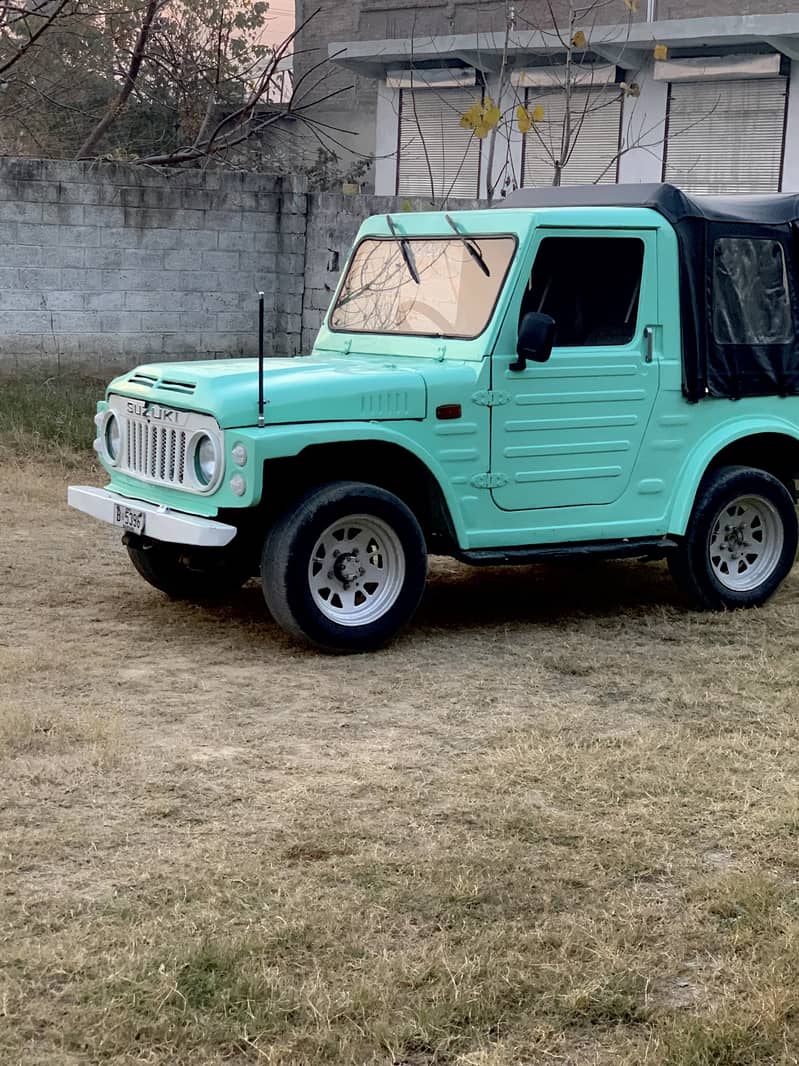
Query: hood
[[308, 389]]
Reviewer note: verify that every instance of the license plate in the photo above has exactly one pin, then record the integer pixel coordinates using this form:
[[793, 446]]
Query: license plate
[[129, 518]]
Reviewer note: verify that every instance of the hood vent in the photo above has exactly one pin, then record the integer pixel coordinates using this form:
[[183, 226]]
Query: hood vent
[[184, 387], [151, 381]]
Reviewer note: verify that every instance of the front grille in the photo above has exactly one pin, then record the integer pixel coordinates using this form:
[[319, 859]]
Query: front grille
[[158, 443], [156, 452]]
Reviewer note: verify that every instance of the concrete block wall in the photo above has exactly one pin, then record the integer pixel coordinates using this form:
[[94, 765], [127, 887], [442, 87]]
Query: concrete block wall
[[118, 264]]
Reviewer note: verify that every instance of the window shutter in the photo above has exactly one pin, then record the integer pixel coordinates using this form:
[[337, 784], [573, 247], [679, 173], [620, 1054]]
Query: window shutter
[[597, 144], [726, 136], [432, 140]]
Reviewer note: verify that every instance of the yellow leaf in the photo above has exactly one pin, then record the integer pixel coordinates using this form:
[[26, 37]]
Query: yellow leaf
[[470, 119], [491, 114], [579, 40], [632, 5], [523, 120], [480, 118], [538, 113], [661, 52]]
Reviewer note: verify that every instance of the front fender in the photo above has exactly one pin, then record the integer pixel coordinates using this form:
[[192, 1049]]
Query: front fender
[[287, 441], [705, 451]]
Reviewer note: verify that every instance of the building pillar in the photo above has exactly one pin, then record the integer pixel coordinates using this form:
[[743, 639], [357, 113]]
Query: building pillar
[[386, 140], [643, 128]]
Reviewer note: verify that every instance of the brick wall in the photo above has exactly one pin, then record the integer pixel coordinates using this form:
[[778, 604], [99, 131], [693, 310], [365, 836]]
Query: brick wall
[[114, 265], [118, 263]]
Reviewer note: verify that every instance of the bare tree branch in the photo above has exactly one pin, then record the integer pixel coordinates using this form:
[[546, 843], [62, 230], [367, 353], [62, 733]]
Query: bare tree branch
[[23, 49], [87, 149]]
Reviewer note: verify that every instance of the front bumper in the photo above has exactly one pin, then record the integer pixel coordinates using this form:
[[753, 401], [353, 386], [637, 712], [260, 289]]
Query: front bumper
[[160, 523]]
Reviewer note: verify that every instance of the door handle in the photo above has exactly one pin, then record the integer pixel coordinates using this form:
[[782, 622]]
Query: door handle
[[649, 338]]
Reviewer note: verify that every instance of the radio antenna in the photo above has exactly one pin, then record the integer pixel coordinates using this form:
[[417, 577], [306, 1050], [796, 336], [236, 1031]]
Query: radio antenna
[[260, 359]]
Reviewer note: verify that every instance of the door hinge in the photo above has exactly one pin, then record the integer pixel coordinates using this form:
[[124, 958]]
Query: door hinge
[[490, 398], [489, 481]]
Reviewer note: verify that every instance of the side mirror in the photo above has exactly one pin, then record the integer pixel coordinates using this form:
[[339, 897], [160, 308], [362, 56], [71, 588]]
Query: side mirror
[[536, 337]]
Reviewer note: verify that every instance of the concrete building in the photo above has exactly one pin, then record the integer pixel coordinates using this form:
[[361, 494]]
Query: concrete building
[[698, 92]]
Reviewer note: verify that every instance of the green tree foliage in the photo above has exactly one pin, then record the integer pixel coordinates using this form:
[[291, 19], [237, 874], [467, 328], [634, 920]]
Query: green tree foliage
[[166, 82]]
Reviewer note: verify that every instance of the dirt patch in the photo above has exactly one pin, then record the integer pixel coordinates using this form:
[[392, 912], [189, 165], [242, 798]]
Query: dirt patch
[[497, 841]]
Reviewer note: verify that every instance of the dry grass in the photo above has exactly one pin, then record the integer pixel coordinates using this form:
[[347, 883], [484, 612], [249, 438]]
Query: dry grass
[[36, 730], [557, 822]]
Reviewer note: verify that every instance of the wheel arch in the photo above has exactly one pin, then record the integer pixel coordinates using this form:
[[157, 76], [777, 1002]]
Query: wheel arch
[[762, 446], [376, 461]]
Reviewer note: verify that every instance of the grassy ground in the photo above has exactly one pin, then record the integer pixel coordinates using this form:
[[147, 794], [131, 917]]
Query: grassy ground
[[556, 822], [47, 412]]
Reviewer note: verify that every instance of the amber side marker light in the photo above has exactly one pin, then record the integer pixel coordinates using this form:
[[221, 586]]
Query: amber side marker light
[[448, 410]]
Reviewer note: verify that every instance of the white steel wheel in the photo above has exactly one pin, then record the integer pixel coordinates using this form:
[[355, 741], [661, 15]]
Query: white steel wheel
[[356, 570], [740, 542], [746, 543], [344, 566]]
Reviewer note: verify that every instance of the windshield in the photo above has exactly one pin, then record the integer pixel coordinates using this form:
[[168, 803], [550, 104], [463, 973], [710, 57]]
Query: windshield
[[423, 286]]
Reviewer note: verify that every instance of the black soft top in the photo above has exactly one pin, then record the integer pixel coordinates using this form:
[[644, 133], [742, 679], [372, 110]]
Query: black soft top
[[737, 338], [774, 209]]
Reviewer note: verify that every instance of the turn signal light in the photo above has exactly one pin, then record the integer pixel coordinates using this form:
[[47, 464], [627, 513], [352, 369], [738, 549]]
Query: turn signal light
[[448, 410]]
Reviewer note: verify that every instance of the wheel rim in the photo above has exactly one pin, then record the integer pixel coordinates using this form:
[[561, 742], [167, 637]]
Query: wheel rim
[[746, 543], [356, 570]]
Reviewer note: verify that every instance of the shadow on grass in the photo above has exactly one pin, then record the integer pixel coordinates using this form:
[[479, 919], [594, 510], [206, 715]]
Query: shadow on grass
[[459, 598], [464, 597]]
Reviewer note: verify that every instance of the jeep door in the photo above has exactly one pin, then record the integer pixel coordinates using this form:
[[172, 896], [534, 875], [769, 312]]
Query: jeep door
[[567, 432]]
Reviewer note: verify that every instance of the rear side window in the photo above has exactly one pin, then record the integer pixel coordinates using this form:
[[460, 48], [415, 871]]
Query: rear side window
[[751, 302], [590, 286]]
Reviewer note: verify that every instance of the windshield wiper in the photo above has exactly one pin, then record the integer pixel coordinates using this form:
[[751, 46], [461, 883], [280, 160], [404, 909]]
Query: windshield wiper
[[405, 249], [470, 247]]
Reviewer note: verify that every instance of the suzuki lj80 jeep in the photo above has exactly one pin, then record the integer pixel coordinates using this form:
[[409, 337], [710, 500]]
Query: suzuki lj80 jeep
[[610, 370]]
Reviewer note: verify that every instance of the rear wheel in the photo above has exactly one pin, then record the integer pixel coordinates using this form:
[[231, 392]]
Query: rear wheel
[[344, 567], [741, 540], [185, 573]]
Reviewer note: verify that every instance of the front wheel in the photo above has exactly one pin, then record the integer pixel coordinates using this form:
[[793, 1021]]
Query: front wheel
[[188, 573], [344, 567], [741, 540]]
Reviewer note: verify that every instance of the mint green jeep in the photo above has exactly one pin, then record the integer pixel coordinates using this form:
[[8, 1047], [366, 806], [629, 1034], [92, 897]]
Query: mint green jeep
[[603, 371]]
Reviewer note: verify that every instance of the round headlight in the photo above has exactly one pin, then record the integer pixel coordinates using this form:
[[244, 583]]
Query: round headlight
[[113, 437], [206, 460]]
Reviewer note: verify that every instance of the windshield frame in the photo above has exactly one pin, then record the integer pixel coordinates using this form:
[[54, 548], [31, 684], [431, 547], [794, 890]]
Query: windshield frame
[[410, 237]]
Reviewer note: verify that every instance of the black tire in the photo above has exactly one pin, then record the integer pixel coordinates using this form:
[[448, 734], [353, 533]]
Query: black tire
[[364, 606], [712, 564], [188, 573]]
